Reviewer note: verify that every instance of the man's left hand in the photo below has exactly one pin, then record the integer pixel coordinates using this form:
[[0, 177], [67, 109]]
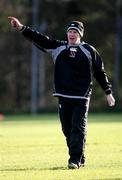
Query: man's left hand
[[110, 100]]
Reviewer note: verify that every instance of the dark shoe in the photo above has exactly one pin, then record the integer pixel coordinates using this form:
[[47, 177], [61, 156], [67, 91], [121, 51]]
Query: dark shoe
[[76, 164], [73, 165]]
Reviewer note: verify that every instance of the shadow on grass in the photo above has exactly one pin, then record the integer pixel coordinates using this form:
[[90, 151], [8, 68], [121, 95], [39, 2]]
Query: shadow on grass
[[34, 169], [58, 168]]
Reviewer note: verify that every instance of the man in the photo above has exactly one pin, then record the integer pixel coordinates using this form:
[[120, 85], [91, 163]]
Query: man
[[76, 62]]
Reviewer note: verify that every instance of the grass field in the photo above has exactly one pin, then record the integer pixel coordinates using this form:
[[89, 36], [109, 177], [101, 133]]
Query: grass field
[[33, 148]]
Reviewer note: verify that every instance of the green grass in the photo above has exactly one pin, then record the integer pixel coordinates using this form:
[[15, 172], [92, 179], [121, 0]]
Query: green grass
[[33, 148]]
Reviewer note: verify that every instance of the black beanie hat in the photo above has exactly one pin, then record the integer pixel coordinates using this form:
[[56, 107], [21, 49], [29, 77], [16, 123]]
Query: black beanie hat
[[77, 25]]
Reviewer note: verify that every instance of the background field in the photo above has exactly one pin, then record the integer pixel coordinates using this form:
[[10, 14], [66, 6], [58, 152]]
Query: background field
[[33, 148]]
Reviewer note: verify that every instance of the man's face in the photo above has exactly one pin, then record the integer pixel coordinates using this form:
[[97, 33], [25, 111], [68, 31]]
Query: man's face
[[73, 37]]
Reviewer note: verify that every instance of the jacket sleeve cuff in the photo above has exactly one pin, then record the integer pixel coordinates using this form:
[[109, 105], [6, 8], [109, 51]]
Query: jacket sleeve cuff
[[108, 91], [23, 28]]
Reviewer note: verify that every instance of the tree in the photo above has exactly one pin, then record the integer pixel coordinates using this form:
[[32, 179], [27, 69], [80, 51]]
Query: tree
[[99, 18]]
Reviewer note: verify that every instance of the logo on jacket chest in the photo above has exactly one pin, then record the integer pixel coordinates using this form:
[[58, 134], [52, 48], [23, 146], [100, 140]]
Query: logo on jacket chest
[[72, 52]]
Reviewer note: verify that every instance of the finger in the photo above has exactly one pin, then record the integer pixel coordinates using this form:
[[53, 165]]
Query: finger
[[10, 17]]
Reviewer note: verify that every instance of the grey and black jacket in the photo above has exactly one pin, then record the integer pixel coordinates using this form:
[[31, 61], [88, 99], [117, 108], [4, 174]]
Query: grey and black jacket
[[75, 66]]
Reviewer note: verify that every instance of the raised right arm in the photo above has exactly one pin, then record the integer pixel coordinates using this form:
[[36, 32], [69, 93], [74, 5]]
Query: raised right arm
[[41, 41]]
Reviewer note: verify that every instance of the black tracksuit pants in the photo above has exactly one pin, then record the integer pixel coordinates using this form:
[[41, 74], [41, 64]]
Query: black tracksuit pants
[[73, 117]]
